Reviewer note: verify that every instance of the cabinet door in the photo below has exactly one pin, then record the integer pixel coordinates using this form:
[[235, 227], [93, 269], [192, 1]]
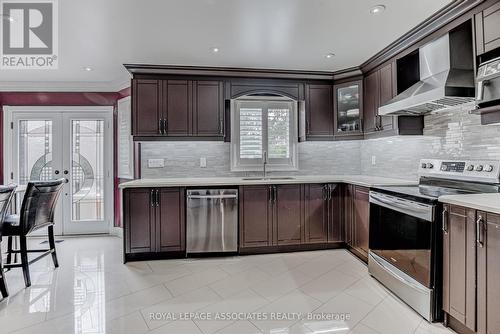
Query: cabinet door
[[316, 213], [459, 264], [319, 109], [387, 91], [255, 216], [139, 220], [335, 213], [348, 206], [288, 213], [348, 108], [177, 107], [361, 215], [488, 29], [170, 224], [208, 108], [371, 96], [146, 107], [488, 276]]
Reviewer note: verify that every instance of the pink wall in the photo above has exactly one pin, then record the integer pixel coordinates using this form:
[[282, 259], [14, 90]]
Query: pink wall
[[66, 99]]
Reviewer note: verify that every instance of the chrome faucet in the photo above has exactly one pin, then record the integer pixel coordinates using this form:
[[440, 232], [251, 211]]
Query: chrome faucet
[[264, 167]]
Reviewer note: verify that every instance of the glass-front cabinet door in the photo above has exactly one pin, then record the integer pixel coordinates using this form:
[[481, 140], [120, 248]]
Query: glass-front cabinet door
[[348, 109]]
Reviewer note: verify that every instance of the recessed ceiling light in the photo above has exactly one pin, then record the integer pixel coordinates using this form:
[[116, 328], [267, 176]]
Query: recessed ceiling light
[[330, 55], [88, 69], [215, 49], [377, 9]]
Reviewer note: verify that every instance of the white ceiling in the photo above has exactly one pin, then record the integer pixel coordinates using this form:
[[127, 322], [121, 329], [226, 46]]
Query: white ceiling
[[284, 34]]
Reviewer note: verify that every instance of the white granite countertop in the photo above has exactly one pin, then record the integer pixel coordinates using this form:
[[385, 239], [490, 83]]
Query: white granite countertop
[[361, 180], [483, 202]]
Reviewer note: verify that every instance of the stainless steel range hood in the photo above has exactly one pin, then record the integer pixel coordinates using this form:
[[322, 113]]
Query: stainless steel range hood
[[446, 77]]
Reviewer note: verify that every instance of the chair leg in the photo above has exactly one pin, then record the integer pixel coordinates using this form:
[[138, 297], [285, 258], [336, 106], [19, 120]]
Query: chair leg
[[3, 284], [23, 247], [9, 249], [52, 245]]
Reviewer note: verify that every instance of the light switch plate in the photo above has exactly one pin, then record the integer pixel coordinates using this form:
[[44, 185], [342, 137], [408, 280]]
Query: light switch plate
[[156, 163], [374, 159], [203, 162]]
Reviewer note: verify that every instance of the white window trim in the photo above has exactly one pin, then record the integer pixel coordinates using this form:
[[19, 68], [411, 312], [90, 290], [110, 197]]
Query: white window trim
[[257, 164]]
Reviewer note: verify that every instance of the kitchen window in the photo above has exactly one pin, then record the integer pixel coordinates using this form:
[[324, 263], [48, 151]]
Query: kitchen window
[[264, 127]]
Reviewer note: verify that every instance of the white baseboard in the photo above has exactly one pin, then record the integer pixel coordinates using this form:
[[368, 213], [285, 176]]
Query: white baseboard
[[116, 231]]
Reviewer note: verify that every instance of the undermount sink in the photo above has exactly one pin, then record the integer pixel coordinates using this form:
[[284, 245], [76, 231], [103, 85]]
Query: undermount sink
[[268, 178]]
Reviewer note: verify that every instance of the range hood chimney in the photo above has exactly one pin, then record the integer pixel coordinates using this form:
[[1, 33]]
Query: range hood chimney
[[446, 76]]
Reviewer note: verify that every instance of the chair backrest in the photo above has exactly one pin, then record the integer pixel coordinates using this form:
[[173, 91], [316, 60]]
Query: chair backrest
[[39, 204], [6, 195]]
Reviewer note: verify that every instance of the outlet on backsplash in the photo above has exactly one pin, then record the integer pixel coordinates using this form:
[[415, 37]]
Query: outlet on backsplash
[[374, 160], [156, 163], [203, 162]]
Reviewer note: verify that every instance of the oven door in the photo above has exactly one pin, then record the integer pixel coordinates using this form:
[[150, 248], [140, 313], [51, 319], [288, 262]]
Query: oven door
[[401, 234]]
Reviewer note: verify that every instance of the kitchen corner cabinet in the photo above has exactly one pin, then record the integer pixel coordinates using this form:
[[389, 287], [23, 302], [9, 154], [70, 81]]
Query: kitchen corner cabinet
[[471, 269], [357, 219], [348, 110], [153, 220], [319, 111], [487, 29], [177, 108]]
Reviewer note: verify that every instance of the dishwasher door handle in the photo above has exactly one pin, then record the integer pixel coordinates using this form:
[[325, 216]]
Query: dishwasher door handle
[[211, 196]]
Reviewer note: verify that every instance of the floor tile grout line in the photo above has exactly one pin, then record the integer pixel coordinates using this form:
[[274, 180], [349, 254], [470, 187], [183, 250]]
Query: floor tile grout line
[[367, 314]]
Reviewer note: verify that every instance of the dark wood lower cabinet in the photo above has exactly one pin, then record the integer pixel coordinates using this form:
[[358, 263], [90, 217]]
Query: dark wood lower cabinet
[[459, 264], [357, 219], [154, 221], [471, 270], [255, 216], [488, 273], [290, 216]]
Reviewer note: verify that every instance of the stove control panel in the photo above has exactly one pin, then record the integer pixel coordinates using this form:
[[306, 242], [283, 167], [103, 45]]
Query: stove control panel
[[487, 171]]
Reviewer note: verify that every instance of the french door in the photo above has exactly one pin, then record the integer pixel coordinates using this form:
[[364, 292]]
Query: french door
[[74, 143]]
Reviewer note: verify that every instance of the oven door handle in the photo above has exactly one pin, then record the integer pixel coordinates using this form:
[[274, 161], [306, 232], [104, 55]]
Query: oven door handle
[[422, 211]]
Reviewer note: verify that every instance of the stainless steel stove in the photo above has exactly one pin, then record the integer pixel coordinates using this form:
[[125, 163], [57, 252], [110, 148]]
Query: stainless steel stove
[[405, 228]]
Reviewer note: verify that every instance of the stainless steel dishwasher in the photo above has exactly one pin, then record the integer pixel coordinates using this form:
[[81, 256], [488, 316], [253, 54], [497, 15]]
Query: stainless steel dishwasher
[[212, 221]]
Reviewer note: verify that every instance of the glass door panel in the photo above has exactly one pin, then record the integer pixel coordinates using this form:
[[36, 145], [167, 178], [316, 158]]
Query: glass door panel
[[348, 109]]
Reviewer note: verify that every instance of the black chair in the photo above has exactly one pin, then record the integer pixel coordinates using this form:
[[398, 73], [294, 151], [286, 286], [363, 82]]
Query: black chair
[[37, 211], [6, 195]]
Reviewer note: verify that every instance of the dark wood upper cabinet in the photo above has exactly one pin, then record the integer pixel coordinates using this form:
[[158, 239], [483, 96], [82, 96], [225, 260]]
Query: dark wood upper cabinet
[[177, 107], [459, 264], [139, 220], [208, 108], [146, 108], [170, 222], [488, 273], [319, 111], [371, 101], [380, 86], [487, 29], [288, 205], [255, 215], [154, 220], [348, 110]]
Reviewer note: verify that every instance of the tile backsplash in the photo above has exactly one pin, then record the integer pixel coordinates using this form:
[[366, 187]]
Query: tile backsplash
[[449, 134]]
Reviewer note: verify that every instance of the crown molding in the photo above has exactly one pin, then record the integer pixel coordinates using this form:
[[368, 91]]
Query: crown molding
[[433, 23]]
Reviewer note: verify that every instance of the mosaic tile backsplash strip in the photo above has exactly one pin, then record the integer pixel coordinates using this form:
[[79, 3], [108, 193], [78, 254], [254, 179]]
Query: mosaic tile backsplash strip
[[451, 134]]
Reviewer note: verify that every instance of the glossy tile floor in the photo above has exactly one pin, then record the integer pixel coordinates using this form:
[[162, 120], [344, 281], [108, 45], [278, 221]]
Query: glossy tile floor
[[93, 292]]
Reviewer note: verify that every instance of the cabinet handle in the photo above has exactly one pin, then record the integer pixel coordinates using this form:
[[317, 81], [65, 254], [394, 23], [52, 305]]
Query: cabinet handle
[[275, 194], [165, 126], [479, 239], [221, 127], [152, 198], [324, 193], [271, 194], [160, 126], [157, 198], [445, 220]]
